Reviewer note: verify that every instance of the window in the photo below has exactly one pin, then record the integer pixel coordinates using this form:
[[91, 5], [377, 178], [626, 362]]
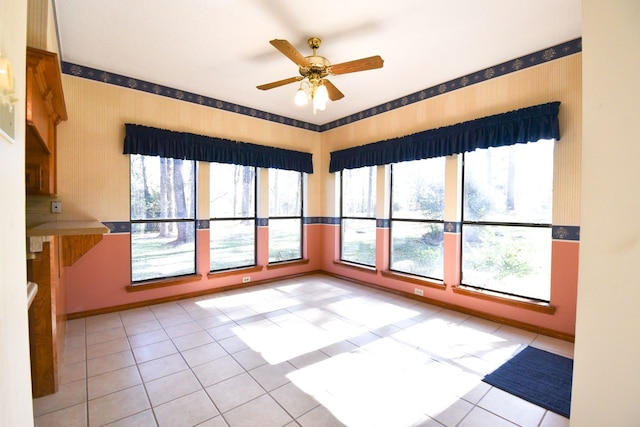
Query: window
[[163, 221], [506, 228], [417, 217], [232, 226], [358, 216], [285, 215]]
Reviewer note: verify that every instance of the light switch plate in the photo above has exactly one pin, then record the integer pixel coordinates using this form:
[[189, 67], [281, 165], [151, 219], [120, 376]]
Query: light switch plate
[[56, 207]]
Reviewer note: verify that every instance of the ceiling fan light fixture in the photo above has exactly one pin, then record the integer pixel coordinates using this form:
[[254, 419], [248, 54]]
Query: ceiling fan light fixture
[[301, 98]]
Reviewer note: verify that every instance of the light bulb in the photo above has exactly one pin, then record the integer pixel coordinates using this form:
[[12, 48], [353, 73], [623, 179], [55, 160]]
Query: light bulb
[[301, 97], [320, 97]]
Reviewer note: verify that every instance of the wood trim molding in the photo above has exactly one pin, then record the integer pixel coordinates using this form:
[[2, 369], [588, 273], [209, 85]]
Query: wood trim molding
[[154, 284], [435, 284], [354, 266], [285, 264], [523, 303], [235, 271]]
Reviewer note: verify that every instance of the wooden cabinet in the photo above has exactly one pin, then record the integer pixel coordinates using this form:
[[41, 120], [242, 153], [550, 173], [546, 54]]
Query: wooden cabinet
[[45, 109], [53, 247]]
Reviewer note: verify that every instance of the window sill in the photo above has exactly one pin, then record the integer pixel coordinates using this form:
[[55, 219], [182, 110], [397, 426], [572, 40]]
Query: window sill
[[153, 284], [416, 280], [233, 272], [513, 301], [285, 264], [358, 267]]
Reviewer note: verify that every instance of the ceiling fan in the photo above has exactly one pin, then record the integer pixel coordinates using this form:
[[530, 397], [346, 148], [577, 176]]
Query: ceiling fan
[[313, 72]]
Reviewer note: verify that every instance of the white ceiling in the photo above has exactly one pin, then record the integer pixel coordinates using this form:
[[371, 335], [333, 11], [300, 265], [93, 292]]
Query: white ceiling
[[220, 48]]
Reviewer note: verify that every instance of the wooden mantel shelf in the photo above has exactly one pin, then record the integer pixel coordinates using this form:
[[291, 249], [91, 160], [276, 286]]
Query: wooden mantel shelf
[[76, 237]]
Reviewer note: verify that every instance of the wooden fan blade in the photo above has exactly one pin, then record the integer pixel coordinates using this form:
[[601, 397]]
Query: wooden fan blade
[[334, 92], [363, 64], [280, 83], [290, 52]]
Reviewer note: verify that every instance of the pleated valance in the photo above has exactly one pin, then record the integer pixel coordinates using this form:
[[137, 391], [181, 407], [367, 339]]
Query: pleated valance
[[181, 145], [520, 126]]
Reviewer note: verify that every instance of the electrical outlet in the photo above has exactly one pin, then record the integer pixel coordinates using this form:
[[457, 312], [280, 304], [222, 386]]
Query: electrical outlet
[[56, 207], [246, 279], [418, 292]]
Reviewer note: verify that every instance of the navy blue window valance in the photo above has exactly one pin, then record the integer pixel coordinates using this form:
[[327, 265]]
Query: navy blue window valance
[[520, 126], [181, 145]]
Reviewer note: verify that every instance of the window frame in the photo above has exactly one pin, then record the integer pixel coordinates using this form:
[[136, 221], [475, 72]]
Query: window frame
[[507, 224], [193, 220], [414, 220], [344, 217], [299, 217], [253, 218]]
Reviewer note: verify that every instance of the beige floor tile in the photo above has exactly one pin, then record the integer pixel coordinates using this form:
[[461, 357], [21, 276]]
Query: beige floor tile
[[195, 339], [234, 392], [137, 315], [319, 417], [76, 341], [118, 405], [102, 322], [233, 344], [225, 330], [203, 354], [74, 372], [217, 370], [554, 420], [167, 310], [141, 419], [142, 327], [172, 387], [105, 335], [73, 416], [113, 381], [272, 376], [295, 401], [71, 356], [249, 358], [183, 329], [479, 417], [110, 362], [262, 411], [146, 338], [187, 411], [178, 319], [452, 414], [512, 408], [154, 351], [67, 395], [158, 368], [215, 422], [109, 347], [554, 345]]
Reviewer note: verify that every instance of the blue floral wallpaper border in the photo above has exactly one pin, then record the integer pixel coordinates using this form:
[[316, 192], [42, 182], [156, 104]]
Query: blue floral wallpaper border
[[533, 59], [558, 232]]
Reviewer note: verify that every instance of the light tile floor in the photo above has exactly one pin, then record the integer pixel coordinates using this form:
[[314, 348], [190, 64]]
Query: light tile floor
[[309, 351]]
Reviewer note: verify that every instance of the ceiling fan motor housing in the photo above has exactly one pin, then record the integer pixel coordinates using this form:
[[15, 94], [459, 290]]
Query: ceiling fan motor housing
[[318, 67]]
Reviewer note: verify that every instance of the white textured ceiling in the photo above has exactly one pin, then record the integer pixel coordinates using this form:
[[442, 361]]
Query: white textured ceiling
[[220, 48]]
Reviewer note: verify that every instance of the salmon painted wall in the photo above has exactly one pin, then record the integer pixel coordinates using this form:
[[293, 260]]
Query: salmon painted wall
[[94, 183]]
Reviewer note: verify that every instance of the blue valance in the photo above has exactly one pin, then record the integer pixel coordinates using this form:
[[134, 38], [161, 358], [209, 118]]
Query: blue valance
[[520, 126], [151, 141]]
